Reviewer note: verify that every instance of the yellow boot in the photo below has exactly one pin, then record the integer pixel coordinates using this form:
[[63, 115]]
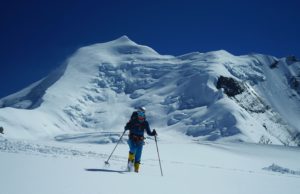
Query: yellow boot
[[131, 157], [136, 167]]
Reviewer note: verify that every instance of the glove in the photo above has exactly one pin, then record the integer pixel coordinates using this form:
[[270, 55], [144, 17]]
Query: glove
[[126, 128], [154, 132]]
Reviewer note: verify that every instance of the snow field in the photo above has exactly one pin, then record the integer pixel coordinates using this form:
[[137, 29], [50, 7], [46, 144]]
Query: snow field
[[189, 167]]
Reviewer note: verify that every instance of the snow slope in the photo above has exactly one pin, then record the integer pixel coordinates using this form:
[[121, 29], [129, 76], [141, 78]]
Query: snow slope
[[30, 167], [208, 109], [98, 87]]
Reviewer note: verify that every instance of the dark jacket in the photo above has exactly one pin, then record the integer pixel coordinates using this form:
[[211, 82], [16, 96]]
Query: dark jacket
[[138, 128]]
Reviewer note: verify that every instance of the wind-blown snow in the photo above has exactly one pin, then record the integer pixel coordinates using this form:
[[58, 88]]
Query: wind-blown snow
[[277, 168]]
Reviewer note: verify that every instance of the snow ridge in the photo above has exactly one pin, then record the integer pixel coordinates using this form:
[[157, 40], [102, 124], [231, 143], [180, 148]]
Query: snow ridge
[[277, 168], [99, 86]]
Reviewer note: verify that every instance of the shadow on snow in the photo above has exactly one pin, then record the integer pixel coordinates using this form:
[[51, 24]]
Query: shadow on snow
[[105, 170]]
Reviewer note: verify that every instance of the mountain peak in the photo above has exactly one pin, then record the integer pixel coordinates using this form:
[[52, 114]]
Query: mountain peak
[[181, 94], [124, 39]]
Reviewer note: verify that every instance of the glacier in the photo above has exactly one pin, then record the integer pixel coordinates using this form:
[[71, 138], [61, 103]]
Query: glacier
[[98, 87], [217, 115]]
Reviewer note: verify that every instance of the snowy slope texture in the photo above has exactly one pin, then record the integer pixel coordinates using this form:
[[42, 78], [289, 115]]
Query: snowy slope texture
[[209, 96]]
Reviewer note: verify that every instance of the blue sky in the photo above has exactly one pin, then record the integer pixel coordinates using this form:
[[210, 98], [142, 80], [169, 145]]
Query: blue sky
[[37, 36]]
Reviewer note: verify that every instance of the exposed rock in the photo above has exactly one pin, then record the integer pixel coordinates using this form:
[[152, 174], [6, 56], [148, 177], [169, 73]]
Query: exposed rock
[[295, 83], [231, 86], [274, 64], [291, 59]]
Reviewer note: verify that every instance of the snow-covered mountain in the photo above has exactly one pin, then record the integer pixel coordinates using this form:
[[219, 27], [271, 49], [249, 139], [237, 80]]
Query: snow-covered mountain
[[60, 130], [208, 96]]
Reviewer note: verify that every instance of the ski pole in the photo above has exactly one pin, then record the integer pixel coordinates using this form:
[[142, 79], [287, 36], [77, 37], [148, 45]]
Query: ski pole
[[106, 162], [158, 156]]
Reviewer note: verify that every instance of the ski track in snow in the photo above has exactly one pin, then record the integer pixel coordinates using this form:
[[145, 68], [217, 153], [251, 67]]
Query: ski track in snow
[[26, 147], [65, 150]]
